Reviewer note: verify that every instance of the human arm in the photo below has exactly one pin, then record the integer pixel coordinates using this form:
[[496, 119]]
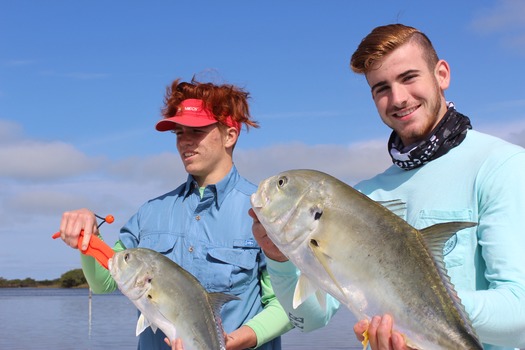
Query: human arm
[[98, 278], [71, 226], [268, 324], [497, 311]]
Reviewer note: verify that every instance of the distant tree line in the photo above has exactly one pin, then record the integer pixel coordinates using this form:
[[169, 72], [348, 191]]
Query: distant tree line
[[71, 279]]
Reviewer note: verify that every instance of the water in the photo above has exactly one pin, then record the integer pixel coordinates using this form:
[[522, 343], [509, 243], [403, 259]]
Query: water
[[60, 319]]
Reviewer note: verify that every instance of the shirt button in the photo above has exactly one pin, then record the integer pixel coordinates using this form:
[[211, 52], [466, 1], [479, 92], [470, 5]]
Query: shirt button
[[198, 217], [190, 249]]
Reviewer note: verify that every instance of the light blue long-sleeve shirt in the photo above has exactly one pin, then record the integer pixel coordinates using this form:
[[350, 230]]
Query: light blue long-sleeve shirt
[[481, 180], [211, 237]]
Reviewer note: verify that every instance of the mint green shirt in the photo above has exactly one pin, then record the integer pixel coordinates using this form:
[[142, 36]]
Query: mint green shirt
[[481, 180]]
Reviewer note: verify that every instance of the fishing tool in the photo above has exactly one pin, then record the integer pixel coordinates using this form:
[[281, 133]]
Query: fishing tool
[[96, 248]]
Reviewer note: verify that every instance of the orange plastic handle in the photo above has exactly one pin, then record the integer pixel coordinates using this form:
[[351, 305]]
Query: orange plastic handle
[[96, 248]]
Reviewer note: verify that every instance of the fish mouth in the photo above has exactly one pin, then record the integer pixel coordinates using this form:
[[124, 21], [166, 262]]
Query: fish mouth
[[279, 225], [256, 200], [130, 280]]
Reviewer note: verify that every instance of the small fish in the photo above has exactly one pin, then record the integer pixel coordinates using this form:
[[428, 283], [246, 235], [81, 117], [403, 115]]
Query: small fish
[[366, 256], [169, 298]]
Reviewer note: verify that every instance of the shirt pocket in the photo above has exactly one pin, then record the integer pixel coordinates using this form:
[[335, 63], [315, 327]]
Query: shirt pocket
[[161, 242], [232, 269], [456, 248]]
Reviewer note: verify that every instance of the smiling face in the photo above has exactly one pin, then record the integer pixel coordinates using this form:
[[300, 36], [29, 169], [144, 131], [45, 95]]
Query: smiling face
[[408, 94], [206, 152]]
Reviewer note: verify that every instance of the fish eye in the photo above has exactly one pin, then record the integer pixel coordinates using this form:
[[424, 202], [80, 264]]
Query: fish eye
[[283, 180], [126, 257], [314, 242]]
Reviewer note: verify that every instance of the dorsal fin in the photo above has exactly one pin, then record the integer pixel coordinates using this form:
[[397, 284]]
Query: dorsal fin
[[396, 206], [217, 301], [435, 237]]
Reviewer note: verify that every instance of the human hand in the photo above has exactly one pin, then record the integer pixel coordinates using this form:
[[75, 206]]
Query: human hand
[[381, 336], [266, 244], [73, 222], [176, 344]]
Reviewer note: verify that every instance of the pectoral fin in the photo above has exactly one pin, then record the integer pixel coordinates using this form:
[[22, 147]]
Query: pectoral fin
[[142, 324], [303, 289], [317, 250]]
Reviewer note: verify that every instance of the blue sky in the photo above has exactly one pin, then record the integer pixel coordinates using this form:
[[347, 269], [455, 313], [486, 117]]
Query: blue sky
[[82, 85]]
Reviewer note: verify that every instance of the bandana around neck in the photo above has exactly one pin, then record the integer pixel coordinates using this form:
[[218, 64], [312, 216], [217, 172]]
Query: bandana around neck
[[449, 133]]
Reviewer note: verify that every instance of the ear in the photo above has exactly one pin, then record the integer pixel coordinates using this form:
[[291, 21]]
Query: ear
[[231, 136], [442, 74]]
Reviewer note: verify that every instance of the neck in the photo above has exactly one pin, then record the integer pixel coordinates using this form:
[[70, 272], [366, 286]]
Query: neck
[[213, 177]]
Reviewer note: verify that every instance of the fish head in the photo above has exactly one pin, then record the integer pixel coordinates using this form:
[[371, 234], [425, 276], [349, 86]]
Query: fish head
[[133, 271], [289, 206]]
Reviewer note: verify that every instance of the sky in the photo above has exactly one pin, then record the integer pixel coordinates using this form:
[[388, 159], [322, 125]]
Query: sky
[[82, 84]]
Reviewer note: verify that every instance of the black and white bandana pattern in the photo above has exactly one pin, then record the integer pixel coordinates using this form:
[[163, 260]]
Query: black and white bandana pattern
[[449, 133]]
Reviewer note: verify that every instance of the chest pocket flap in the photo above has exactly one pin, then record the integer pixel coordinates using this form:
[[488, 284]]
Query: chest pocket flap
[[160, 242], [243, 258]]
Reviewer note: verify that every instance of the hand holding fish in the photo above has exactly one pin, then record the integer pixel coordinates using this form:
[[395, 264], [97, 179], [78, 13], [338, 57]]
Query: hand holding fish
[[242, 338], [266, 244], [380, 334]]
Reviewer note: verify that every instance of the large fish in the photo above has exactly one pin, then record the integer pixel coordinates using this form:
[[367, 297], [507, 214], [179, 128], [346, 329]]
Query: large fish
[[365, 256], [169, 298]]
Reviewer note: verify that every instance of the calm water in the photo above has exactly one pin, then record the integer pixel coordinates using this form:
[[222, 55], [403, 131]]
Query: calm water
[[60, 319]]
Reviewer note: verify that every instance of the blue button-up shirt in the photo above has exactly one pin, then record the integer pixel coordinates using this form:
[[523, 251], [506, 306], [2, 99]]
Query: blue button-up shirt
[[210, 237]]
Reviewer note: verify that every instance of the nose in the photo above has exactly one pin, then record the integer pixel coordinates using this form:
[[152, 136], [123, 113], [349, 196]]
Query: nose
[[399, 95], [184, 138]]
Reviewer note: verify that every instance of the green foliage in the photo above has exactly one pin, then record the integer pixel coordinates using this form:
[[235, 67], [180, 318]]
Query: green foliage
[[70, 279], [73, 278], [28, 282]]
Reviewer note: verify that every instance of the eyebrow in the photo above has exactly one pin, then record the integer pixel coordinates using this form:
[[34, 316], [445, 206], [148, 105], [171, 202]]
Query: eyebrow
[[400, 76]]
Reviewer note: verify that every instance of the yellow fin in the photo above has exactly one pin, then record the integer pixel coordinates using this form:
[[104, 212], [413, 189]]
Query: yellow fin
[[365, 340]]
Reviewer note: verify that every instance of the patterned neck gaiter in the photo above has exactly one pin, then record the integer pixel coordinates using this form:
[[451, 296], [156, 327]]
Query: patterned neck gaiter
[[449, 133]]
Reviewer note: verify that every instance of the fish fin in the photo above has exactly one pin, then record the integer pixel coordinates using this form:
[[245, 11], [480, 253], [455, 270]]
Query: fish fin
[[303, 289], [217, 301], [435, 237], [316, 248], [142, 324], [409, 343], [365, 340], [396, 206], [321, 298]]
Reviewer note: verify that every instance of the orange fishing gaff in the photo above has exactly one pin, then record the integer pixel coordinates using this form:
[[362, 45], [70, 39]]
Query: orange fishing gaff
[[96, 248]]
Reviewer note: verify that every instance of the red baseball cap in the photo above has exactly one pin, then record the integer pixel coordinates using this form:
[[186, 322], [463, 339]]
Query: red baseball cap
[[192, 112]]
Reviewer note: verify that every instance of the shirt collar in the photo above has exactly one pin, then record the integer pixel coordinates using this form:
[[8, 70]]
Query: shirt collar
[[221, 188]]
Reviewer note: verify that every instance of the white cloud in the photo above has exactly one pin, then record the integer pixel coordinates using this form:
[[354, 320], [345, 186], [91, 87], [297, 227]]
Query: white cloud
[[38, 160], [505, 18], [9, 132], [31, 210], [349, 163]]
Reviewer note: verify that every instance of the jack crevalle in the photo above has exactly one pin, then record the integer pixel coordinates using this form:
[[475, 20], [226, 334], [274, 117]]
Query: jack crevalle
[[169, 298], [365, 256]]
